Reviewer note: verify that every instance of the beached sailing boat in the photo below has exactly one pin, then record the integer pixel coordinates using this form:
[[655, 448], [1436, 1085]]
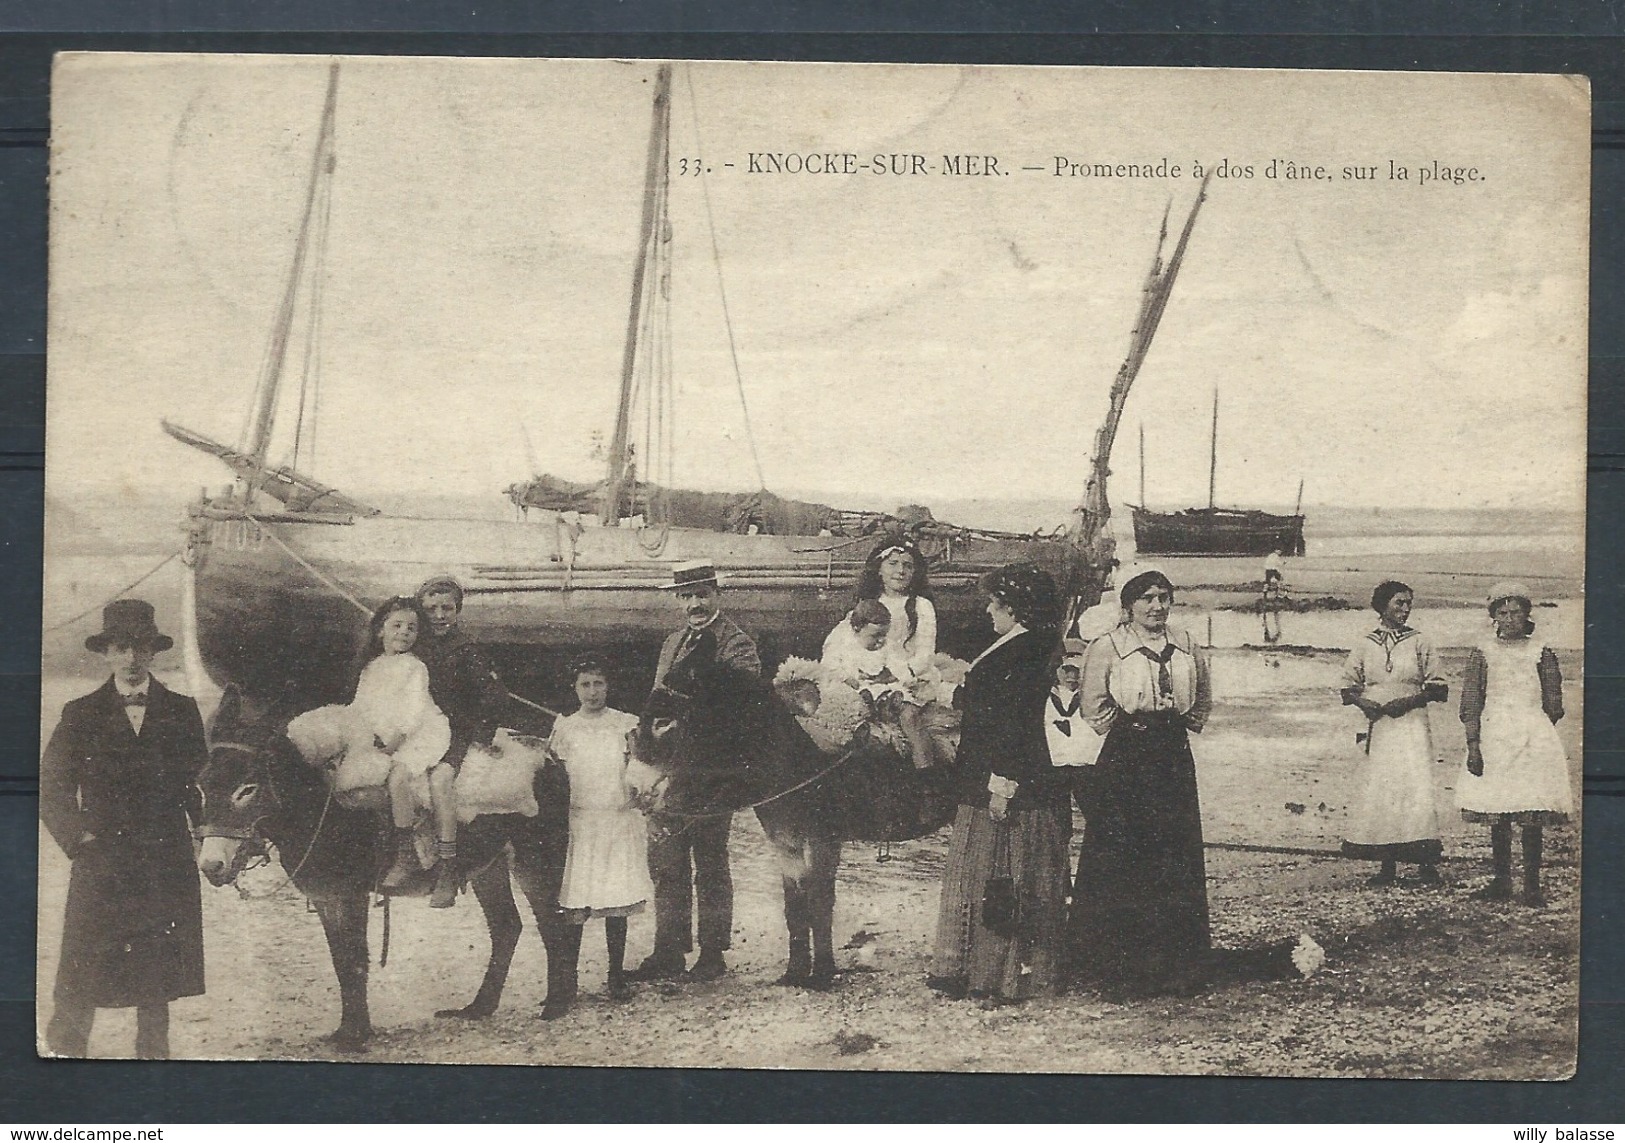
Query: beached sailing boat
[[1214, 531], [281, 563]]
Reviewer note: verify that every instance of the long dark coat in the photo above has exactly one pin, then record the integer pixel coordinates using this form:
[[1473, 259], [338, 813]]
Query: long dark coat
[[1002, 701], [133, 933]]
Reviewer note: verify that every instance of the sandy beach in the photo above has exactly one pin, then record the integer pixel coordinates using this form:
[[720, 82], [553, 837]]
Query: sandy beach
[[1416, 982]]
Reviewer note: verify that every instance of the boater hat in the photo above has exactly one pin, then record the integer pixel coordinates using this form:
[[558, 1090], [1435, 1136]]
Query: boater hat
[[692, 573], [1509, 590], [129, 622]]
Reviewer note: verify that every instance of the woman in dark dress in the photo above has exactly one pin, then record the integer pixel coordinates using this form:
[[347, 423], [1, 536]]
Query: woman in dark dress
[[1014, 822], [1139, 922]]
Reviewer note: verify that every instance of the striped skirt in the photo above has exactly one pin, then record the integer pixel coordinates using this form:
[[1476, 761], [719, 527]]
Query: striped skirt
[[1031, 846]]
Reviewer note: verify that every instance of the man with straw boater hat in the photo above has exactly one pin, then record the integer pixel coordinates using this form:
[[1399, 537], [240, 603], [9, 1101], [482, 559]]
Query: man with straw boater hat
[[117, 782], [689, 857]]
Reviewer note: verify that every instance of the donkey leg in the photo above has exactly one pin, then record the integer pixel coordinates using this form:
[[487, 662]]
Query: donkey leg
[[791, 854], [824, 858], [344, 921], [539, 870], [494, 892]]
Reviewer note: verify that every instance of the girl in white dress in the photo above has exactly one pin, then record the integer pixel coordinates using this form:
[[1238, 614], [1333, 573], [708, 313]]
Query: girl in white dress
[[895, 574], [393, 725], [1391, 676], [1516, 771], [606, 873]]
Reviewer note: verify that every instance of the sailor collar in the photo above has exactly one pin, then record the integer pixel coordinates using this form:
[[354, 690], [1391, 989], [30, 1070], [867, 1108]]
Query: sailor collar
[[1125, 642], [1384, 636]]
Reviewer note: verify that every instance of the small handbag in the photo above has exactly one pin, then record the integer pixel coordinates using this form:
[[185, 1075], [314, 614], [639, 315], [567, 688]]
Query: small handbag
[[1001, 898]]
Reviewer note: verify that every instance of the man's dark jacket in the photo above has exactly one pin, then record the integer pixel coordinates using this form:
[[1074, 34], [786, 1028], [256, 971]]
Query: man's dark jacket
[[133, 932]]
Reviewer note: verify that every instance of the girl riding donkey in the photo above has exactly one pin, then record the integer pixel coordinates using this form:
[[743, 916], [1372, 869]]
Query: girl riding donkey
[[895, 575], [393, 738]]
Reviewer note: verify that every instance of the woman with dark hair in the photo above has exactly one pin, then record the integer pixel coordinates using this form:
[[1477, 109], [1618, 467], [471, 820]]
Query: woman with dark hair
[[895, 575], [1391, 676], [1004, 891], [1517, 771], [1139, 922]]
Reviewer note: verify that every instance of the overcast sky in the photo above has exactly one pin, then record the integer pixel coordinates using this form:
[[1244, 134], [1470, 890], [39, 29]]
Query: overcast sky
[[908, 337]]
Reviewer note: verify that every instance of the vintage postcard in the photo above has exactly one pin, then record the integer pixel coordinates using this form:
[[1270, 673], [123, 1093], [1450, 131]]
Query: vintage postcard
[[694, 564]]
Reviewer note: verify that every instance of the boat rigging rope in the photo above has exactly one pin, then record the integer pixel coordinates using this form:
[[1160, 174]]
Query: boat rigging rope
[[121, 593], [302, 562], [716, 260]]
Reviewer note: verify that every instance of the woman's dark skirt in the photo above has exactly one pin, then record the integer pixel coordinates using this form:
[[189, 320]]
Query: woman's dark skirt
[[1031, 846], [1139, 919]]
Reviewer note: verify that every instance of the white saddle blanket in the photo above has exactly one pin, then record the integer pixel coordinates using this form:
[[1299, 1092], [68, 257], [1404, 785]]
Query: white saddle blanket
[[498, 780]]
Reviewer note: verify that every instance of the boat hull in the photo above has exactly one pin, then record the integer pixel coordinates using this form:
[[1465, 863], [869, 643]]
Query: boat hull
[[280, 605], [1216, 532]]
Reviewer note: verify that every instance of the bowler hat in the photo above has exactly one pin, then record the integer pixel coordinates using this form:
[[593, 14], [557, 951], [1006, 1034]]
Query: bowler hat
[[693, 573], [129, 622]]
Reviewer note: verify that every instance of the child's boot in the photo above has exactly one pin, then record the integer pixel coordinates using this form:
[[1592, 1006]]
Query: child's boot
[[405, 866], [1532, 844], [1500, 886], [444, 895]]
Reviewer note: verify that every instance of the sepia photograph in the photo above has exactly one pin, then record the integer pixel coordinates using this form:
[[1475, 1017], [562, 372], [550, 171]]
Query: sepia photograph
[[867, 567]]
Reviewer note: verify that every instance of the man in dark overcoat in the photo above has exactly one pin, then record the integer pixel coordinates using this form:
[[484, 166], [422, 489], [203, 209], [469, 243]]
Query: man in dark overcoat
[[688, 856], [117, 782], [466, 690]]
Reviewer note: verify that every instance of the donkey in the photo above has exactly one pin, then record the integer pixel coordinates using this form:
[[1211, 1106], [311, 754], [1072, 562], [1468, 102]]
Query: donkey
[[728, 742], [257, 789]]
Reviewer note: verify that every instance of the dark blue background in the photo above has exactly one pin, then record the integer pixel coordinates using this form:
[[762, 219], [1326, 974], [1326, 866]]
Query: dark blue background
[[1379, 34]]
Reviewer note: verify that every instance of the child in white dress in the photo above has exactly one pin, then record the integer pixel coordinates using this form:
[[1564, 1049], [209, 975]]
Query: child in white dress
[[1516, 771], [606, 873], [895, 574], [855, 650], [392, 734]]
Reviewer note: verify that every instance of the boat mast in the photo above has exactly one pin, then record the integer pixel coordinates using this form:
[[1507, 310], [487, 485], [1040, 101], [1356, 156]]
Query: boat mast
[[1142, 464], [258, 436], [1298, 508], [655, 174], [1095, 511], [1213, 454]]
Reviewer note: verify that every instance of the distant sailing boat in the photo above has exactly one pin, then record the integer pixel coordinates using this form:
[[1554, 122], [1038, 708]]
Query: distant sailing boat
[[281, 562], [1214, 531]]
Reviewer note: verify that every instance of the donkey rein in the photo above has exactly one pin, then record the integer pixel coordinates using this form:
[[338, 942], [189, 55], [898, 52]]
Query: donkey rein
[[841, 761]]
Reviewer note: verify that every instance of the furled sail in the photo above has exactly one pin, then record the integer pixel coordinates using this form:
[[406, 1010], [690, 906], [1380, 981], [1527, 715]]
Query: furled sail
[[297, 492]]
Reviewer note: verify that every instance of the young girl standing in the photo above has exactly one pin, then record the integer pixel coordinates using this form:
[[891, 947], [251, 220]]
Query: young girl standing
[[606, 873], [895, 574], [1517, 771]]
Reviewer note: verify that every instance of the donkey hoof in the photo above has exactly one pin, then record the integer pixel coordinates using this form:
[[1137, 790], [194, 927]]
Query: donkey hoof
[[793, 979], [349, 1040], [820, 981], [471, 1012]]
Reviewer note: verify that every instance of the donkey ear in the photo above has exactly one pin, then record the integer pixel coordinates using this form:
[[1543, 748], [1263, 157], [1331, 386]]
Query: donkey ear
[[228, 716]]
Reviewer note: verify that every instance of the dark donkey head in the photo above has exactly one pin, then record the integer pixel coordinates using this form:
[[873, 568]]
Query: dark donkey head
[[725, 736], [239, 788]]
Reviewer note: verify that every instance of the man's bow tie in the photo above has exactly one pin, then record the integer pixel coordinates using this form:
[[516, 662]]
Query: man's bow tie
[[134, 700]]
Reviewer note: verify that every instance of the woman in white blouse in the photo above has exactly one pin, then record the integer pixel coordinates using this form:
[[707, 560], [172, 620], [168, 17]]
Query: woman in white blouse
[[1391, 676], [1139, 921]]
